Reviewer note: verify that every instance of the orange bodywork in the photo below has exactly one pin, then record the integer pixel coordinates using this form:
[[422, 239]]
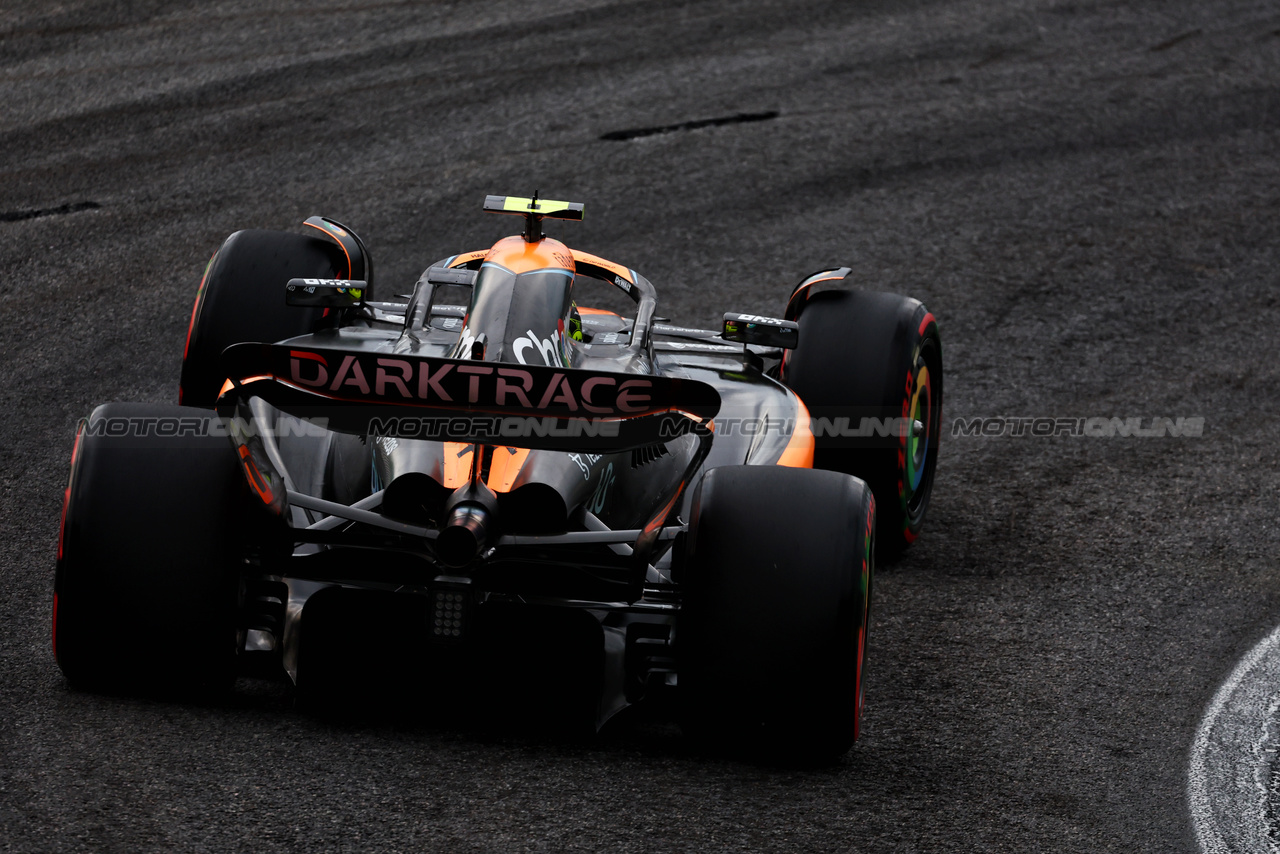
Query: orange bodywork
[[467, 257], [799, 451], [616, 269], [257, 482], [520, 256], [336, 230], [457, 463], [228, 385], [661, 516], [504, 466]]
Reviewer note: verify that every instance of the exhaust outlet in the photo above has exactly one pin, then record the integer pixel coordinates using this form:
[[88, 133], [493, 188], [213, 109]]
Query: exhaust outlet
[[465, 534]]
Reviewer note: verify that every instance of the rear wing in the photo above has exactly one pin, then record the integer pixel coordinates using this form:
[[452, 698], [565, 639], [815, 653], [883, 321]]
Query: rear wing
[[372, 393]]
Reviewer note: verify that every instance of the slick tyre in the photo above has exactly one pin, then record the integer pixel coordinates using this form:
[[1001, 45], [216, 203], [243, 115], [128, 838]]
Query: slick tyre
[[771, 637], [872, 363], [146, 583], [242, 298]]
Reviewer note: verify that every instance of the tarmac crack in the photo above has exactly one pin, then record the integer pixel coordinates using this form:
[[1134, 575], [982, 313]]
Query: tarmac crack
[[37, 213], [740, 118]]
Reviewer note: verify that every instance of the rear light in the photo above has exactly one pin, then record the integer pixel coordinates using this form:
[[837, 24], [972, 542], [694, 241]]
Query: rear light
[[450, 612]]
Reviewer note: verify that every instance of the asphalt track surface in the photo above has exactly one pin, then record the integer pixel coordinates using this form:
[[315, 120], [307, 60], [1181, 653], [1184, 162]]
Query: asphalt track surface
[[1087, 195]]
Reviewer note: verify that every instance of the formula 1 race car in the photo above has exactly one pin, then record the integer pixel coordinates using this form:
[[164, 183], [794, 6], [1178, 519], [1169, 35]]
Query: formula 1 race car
[[487, 484]]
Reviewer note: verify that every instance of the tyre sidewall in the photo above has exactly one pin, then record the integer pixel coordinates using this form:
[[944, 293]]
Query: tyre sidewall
[[146, 584], [772, 626], [242, 298], [859, 357]]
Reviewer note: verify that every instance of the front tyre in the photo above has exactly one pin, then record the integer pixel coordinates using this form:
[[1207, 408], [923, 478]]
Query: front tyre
[[146, 587], [869, 368], [771, 636], [242, 298]]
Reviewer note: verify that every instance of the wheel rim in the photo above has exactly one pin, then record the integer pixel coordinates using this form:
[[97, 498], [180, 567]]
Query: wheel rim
[[921, 412], [922, 450]]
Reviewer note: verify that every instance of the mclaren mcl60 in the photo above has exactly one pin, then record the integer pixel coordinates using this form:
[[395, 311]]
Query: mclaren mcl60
[[490, 483]]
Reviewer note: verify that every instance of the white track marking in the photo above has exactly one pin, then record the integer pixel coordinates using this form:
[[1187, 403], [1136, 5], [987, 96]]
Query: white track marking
[[1234, 748]]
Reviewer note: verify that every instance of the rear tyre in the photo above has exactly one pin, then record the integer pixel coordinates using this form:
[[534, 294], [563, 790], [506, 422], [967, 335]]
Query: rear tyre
[[241, 298], [771, 637], [146, 584], [868, 361]]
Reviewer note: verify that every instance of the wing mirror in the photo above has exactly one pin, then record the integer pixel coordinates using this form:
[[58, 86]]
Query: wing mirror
[[327, 293], [764, 331]]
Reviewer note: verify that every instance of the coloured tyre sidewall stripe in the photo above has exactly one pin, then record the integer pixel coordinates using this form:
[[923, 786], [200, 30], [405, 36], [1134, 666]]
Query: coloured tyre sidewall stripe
[[918, 446]]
